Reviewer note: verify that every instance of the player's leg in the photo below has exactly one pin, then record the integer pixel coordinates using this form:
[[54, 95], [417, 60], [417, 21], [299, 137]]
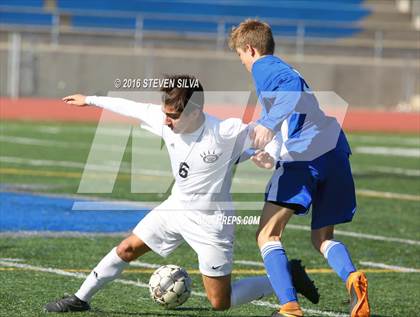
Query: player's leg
[[212, 240], [218, 291], [223, 294], [151, 233], [213, 243], [107, 270], [335, 203], [246, 290], [273, 221], [339, 259], [111, 266], [335, 252], [289, 192]]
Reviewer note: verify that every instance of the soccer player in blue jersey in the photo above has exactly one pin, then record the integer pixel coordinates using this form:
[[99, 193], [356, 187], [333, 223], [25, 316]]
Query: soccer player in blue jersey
[[312, 169]]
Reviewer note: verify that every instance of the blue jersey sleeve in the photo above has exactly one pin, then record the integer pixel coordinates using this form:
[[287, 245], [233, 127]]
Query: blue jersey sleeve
[[279, 103], [279, 88]]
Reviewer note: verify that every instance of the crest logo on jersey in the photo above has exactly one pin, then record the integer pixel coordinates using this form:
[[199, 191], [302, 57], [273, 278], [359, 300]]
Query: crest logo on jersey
[[210, 157]]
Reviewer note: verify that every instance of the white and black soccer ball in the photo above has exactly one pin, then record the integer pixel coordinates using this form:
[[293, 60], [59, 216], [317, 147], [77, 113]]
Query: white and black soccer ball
[[170, 286]]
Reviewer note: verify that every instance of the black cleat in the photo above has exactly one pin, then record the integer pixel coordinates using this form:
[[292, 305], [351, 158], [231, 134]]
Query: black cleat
[[68, 303], [302, 283]]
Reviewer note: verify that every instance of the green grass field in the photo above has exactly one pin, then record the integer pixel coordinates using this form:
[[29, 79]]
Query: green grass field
[[50, 158]]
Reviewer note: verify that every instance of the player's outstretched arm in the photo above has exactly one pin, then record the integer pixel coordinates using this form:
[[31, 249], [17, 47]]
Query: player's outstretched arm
[[150, 115], [76, 100]]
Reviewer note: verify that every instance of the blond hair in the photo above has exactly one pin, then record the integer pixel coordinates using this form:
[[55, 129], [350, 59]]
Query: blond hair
[[254, 33]]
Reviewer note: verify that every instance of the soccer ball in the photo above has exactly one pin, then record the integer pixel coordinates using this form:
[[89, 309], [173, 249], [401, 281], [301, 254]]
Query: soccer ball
[[170, 286]]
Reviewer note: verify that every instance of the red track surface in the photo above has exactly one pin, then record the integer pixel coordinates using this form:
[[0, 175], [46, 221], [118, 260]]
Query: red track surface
[[56, 110]]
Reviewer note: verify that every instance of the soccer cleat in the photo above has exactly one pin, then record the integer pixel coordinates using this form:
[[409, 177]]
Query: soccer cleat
[[290, 309], [357, 286], [302, 283], [68, 303]]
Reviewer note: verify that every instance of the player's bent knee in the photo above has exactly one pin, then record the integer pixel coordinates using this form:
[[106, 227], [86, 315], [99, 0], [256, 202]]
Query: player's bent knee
[[321, 237], [316, 242], [264, 236], [126, 251]]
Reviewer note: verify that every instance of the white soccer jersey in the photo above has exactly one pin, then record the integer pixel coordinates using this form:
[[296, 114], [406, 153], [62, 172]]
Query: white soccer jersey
[[202, 164], [201, 161]]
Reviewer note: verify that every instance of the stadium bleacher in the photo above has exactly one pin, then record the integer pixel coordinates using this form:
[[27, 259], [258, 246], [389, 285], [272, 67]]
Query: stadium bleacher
[[193, 16]]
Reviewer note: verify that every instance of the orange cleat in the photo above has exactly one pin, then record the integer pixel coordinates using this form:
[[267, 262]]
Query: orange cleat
[[290, 309], [357, 286]]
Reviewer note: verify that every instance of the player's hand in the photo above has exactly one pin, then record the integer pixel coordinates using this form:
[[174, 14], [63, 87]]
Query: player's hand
[[75, 100], [261, 136], [263, 160]]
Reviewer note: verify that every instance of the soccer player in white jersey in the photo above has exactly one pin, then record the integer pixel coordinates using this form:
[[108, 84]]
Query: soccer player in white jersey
[[203, 151]]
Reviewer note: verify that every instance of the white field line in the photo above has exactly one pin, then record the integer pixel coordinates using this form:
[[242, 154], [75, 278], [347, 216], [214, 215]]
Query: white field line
[[360, 235], [108, 166], [12, 260], [250, 263], [387, 195], [143, 285], [33, 141], [386, 170], [76, 145], [388, 151], [145, 265], [364, 263], [112, 131], [98, 130], [390, 267], [395, 140]]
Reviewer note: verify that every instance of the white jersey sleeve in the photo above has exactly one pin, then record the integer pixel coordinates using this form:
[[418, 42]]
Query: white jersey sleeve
[[234, 128], [150, 115]]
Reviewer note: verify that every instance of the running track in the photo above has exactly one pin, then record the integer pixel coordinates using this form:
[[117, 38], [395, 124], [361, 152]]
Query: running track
[[56, 110]]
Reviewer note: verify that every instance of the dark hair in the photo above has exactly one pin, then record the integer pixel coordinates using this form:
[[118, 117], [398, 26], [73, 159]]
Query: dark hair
[[184, 92], [254, 33]]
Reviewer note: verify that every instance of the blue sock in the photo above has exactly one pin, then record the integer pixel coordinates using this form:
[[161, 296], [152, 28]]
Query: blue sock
[[278, 271], [339, 259]]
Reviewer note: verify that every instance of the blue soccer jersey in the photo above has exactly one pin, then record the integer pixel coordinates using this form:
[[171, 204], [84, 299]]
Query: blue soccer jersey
[[290, 109], [313, 168]]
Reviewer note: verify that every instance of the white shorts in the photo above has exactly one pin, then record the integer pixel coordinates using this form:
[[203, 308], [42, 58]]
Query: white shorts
[[165, 227]]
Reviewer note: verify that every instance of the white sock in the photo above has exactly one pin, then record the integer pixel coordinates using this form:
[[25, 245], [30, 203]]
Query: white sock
[[107, 270], [248, 289]]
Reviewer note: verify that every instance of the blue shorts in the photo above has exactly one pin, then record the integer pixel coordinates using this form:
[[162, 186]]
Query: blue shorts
[[326, 183]]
